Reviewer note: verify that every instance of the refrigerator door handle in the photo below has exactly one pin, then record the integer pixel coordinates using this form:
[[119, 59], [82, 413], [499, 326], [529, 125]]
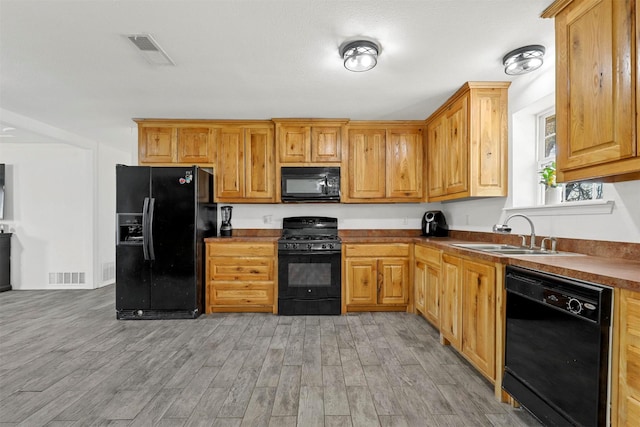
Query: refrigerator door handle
[[145, 228], [152, 204]]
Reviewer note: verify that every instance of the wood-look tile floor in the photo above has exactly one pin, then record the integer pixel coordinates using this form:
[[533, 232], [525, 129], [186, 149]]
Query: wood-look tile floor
[[66, 361]]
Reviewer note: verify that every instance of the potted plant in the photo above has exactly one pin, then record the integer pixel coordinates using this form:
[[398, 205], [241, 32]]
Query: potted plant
[[552, 192]]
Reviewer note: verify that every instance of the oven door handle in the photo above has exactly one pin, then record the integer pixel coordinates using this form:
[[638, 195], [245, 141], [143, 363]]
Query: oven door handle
[[315, 253]]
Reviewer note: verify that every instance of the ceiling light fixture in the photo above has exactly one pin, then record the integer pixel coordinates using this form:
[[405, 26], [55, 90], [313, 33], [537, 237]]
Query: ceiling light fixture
[[523, 60], [150, 49], [360, 55]]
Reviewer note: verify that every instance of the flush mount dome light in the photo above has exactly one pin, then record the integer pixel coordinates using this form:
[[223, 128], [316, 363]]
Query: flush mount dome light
[[523, 60], [360, 55]]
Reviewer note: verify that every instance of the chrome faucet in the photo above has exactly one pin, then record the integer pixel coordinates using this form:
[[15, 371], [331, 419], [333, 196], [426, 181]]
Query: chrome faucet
[[505, 229]]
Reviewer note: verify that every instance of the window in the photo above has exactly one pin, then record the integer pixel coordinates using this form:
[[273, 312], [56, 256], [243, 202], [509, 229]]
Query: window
[[571, 192]]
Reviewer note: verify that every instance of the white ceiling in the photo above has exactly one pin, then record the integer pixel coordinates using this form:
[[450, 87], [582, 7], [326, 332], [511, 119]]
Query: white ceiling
[[67, 65]]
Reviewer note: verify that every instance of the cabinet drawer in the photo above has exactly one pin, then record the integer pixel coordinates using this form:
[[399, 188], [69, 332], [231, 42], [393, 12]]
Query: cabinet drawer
[[224, 249], [246, 268], [377, 250], [235, 293], [428, 255]]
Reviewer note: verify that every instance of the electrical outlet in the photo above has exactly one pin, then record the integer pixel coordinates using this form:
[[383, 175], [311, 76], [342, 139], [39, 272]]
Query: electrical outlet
[[267, 219]]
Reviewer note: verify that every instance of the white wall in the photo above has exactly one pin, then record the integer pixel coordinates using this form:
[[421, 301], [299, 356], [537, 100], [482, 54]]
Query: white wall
[[50, 210], [61, 207], [382, 216]]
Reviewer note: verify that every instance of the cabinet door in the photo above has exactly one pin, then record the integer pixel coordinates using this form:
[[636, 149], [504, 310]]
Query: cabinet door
[[230, 164], [404, 164], [326, 144], [362, 280], [479, 315], [629, 358], [394, 280], [156, 145], [457, 149], [594, 107], [451, 300], [195, 146], [436, 156], [259, 164], [432, 295], [420, 285], [294, 144], [487, 143], [367, 163]]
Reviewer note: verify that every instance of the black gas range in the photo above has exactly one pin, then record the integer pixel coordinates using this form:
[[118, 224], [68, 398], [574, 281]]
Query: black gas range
[[309, 266]]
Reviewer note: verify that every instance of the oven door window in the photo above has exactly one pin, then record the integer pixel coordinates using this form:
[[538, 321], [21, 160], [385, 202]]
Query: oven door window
[[303, 274], [309, 276]]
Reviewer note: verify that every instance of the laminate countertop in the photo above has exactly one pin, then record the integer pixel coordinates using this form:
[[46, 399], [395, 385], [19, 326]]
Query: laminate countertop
[[615, 264]]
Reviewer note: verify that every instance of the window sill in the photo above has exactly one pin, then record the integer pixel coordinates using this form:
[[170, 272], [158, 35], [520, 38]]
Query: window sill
[[588, 207]]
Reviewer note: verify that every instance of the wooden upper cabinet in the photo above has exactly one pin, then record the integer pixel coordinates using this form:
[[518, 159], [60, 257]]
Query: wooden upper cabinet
[[156, 144], [456, 151], [245, 164], [326, 144], [175, 142], [195, 145], [230, 166], [367, 155], [309, 141], [259, 167], [404, 164], [467, 143], [596, 99], [385, 163], [436, 148], [294, 144]]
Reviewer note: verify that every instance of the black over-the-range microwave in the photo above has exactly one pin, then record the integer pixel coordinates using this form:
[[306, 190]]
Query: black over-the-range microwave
[[310, 184]]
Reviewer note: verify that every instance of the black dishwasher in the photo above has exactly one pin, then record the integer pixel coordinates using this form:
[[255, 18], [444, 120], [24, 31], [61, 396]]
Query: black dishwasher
[[557, 347]]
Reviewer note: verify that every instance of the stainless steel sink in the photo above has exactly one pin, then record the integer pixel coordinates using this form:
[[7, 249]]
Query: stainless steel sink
[[487, 247], [509, 249]]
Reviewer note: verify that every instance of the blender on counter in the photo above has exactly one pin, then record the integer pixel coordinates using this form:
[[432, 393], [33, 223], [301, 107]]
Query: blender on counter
[[225, 228]]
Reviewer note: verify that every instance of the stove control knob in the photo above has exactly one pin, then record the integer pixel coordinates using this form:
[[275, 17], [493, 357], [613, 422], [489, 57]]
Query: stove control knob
[[574, 306], [324, 246], [309, 245], [331, 245]]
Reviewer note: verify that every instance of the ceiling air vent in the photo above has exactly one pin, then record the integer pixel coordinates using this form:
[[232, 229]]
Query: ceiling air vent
[[150, 49]]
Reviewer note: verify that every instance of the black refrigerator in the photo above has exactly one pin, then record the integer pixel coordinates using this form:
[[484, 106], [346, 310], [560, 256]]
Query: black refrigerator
[[163, 215]]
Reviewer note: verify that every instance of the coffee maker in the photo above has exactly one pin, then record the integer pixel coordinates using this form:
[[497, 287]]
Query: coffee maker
[[225, 227], [434, 224]]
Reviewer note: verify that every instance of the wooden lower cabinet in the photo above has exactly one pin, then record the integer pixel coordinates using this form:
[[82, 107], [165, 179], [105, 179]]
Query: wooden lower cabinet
[[479, 315], [468, 310], [427, 283], [376, 277], [241, 276], [626, 359], [451, 301]]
